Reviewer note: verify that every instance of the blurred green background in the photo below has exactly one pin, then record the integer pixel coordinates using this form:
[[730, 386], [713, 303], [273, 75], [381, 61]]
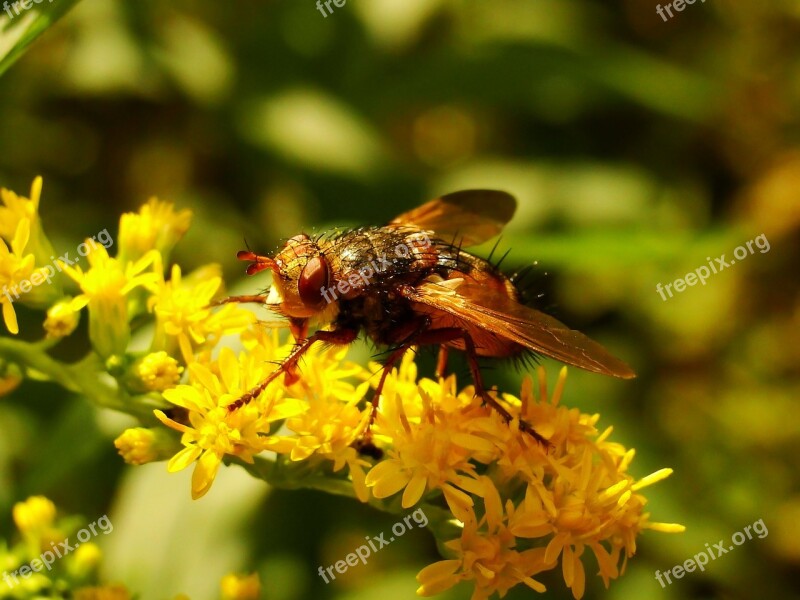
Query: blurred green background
[[636, 149]]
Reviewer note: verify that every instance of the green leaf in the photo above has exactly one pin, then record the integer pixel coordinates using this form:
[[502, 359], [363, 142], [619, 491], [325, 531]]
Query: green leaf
[[20, 32], [593, 250]]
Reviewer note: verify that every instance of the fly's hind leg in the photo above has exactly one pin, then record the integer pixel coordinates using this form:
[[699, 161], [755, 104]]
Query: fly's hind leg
[[408, 334], [449, 334], [441, 361]]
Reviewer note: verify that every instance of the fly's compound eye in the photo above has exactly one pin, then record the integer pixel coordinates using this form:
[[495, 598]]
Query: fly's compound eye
[[314, 279]]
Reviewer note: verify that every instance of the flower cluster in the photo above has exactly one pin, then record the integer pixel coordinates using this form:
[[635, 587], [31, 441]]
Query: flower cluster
[[516, 509], [23, 246], [34, 568], [118, 291], [26, 575], [508, 508]]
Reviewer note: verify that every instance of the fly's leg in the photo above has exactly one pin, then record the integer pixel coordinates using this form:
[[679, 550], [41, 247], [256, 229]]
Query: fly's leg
[[441, 361], [449, 334], [408, 335], [364, 443], [256, 299], [339, 337]]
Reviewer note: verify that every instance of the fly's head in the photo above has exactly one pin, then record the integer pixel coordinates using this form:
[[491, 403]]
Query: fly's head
[[301, 277]]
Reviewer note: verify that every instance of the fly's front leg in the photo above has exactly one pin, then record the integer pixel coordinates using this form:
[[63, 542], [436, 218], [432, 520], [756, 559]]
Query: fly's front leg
[[255, 299], [339, 337]]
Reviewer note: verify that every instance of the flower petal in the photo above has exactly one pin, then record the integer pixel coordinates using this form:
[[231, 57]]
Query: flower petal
[[204, 473], [183, 459]]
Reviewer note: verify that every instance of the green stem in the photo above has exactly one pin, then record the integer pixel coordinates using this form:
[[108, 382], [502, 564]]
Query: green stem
[[86, 377], [288, 475], [33, 357]]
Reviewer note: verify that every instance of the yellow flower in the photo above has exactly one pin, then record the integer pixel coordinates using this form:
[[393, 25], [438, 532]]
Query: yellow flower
[[487, 555], [35, 519], [332, 421], [578, 496], [105, 288], [84, 560], [34, 515], [157, 371], [138, 446], [241, 587], [184, 315], [61, 319], [212, 430], [16, 209], [155, 227], [536, 507], [433, 447], [15, 267]]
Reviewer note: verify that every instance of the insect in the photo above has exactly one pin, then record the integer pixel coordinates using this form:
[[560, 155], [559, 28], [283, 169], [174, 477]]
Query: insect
[[410, 283]]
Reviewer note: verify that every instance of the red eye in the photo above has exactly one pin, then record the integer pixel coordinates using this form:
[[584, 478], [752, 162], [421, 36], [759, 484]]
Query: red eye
[[313, 280]]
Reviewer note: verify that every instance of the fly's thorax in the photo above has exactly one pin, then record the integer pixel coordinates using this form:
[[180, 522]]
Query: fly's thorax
[[368, 260], [370, 257]]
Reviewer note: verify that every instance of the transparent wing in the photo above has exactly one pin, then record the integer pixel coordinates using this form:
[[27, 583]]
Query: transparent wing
[[470, 216], [485, 308]]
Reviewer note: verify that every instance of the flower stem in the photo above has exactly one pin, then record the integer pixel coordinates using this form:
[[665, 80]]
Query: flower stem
[[83, 378]]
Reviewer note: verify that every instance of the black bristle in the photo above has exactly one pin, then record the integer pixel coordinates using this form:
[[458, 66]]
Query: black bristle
[[502, 258]]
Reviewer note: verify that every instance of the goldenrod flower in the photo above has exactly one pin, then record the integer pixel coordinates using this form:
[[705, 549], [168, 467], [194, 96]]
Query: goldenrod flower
[[185, 318], [212, 430], [35, 519], [138, 445], [157, 371], [105, 288], [578, 496], [62, 319], [15, 267], [516, 508], [332, 421], [155, 227], [487, 555], [34, 515], [433, 447], [15, 209], [84, 560], [240, 587]]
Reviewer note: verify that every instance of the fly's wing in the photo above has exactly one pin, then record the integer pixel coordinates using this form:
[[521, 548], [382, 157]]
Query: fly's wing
[[469, 216], [484, 308]]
